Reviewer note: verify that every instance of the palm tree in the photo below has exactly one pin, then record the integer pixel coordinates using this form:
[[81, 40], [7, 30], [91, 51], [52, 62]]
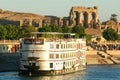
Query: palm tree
[[113, 17]]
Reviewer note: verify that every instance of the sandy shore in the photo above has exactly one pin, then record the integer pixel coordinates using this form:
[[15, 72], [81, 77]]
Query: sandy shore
[[92, 57], [111, 57], [115, 53]]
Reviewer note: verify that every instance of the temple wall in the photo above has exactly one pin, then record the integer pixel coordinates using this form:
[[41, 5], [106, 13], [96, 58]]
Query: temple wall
[[87, 17]]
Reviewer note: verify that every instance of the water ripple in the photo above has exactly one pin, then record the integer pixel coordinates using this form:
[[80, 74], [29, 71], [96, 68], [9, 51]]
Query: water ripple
[[93, 72]]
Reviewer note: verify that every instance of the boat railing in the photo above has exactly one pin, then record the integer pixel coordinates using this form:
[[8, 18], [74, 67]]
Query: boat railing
[[60, 40], [9, 41]]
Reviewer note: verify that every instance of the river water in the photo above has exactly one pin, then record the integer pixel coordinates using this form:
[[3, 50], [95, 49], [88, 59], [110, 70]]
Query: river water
[[93, 72]]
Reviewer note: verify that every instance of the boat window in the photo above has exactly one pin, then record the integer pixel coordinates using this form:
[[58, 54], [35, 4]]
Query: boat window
[[66, 45], [57, 46], [66, 55], [61, 56], [51, 56], [51, 65], [39, 41], [70, 55], [51, 46], [61, 46], [57, 55], [28, 41]]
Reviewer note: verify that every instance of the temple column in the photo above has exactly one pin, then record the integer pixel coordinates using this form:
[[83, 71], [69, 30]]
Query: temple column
[[85, 19], [67, 23], [80, 18], [40, 23], [96, 18], [30, 21], [88, 19], [21, 22], [71, 18]]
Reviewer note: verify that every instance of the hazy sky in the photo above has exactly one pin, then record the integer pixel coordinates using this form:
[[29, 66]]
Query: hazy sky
[[62, 8]]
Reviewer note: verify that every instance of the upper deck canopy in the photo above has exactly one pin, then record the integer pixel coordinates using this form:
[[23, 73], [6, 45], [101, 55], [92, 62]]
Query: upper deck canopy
[[53, 33]]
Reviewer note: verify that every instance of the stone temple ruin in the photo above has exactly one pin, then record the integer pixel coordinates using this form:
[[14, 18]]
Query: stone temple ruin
[[36, 22], [87, 17], [84, 16]]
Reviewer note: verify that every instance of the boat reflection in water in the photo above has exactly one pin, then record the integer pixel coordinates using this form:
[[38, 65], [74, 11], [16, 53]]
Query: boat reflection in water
[[15, 76]]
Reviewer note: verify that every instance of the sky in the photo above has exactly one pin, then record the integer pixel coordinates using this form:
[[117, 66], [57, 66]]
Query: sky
[[61, 8]]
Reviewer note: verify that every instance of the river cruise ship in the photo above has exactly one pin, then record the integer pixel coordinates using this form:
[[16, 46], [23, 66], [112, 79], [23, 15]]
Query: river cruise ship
[[52, 56]]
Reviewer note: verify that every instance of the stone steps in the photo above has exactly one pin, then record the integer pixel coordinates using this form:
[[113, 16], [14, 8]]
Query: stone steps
[[108, 58]]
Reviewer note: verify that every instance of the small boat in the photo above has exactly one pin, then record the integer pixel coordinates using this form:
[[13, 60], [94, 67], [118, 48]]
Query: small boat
[[52, 56]]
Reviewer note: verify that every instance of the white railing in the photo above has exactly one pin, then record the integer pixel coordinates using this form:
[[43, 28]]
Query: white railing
[[9, 41]]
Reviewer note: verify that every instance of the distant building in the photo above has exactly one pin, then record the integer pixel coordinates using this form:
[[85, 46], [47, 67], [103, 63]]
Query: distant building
[[85, 16], [111, 24], [9, 46]]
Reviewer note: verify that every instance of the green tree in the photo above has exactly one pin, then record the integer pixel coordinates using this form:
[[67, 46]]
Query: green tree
[[27, 29], [45, 29], [55, 28], [118, 37], [66, 29], [15, 34], [98, 39], [110, 34], [10, 32], [88, 37], [19, 32], [3, 32], [79, 30]]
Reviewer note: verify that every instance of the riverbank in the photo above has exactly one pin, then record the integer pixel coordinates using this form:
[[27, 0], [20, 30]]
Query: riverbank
[[100, 57]]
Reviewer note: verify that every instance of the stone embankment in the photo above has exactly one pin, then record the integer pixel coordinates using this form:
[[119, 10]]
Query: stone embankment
[[101, 57]]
